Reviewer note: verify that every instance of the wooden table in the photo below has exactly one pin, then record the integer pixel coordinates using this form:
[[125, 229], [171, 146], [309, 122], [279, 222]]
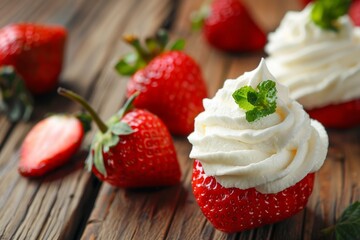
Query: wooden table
[[71, 203]]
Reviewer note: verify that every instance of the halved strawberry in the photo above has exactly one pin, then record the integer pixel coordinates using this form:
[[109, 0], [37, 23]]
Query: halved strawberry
[[342, 115], [235, 210], [50, 144], [132, 149]]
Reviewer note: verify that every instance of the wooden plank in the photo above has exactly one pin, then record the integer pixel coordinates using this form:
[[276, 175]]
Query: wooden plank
[[53, 207]]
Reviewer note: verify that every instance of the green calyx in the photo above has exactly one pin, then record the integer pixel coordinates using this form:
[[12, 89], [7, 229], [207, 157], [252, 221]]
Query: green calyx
[[258, 102], [198, 17], [154, 46], [348, 225], [325, 13], [109, 134], [15, 100]]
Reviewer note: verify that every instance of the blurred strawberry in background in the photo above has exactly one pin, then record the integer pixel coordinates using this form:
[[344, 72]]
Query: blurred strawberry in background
[[31, 57], [228, 26]]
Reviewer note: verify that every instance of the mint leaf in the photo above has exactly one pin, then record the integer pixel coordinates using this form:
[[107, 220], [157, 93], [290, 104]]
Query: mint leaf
[[348, 225], [325, 12], [258, 102]]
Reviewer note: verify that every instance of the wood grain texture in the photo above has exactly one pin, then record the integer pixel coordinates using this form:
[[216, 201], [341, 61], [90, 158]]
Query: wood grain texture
[[71, 204]]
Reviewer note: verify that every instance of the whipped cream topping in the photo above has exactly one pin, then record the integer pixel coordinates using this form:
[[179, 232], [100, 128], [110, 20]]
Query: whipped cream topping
[[271, 153], [320, 67]]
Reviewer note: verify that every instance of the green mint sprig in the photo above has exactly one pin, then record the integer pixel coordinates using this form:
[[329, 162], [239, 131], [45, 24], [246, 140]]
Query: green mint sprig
[[325, 12], [348, 225], [258, 102]]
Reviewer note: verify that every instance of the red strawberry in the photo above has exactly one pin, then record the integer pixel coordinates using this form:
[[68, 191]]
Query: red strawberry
[[170, 84], [36, 52], [305, 2], [50, 144], [133, 149], [343, 115], [228, 26], [354, 12], [235, 210]]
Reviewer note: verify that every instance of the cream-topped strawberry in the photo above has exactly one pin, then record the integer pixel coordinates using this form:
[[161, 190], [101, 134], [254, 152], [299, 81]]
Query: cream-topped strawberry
[[256, 152], [315, 53]]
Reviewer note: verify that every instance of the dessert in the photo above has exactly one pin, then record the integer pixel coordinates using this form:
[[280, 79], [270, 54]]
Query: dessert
[[318, 61], [170, 82], [254, 167]]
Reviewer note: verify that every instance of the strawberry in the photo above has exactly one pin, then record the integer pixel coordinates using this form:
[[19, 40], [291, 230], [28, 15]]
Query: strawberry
[[133, 149], [228, 26], [342, 115], [305, 2], [170, 83], [36, 52], [235, 210], [354, 12], [50, 144]]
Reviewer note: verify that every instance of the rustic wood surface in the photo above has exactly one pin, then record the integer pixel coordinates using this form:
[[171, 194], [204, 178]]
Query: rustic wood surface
[[72, 204]]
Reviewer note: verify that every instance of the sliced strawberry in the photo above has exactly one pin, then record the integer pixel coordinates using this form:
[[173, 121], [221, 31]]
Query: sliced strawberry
[[354, 12], [36, 52], [230, 27], [235, 210], [50, 144], [342, 115]]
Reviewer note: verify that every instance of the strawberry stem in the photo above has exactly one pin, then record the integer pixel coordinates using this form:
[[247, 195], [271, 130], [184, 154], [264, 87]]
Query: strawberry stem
[[135, 43], [75, 97]]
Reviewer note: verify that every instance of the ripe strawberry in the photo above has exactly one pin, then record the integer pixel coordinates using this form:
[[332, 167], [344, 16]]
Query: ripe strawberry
[[228, 26], [305, 2], [170, 83], [36, 52], [354, 12], [235, 210], [133, 149], [50, 144], [343, 115]]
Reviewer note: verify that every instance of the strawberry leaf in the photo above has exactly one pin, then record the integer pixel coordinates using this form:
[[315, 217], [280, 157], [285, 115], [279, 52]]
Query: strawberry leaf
[[162, 37], [109, 142], [85, 120], [198, 17], [153, 46], [98, 158], [348, 225], [178, 45], [325, 12], [15, 100], [128, 65], [257, 103], [121, 128]]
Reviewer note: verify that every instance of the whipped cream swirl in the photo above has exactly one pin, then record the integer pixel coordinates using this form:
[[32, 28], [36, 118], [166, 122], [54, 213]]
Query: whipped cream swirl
[[270, 154], [320, 67]]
